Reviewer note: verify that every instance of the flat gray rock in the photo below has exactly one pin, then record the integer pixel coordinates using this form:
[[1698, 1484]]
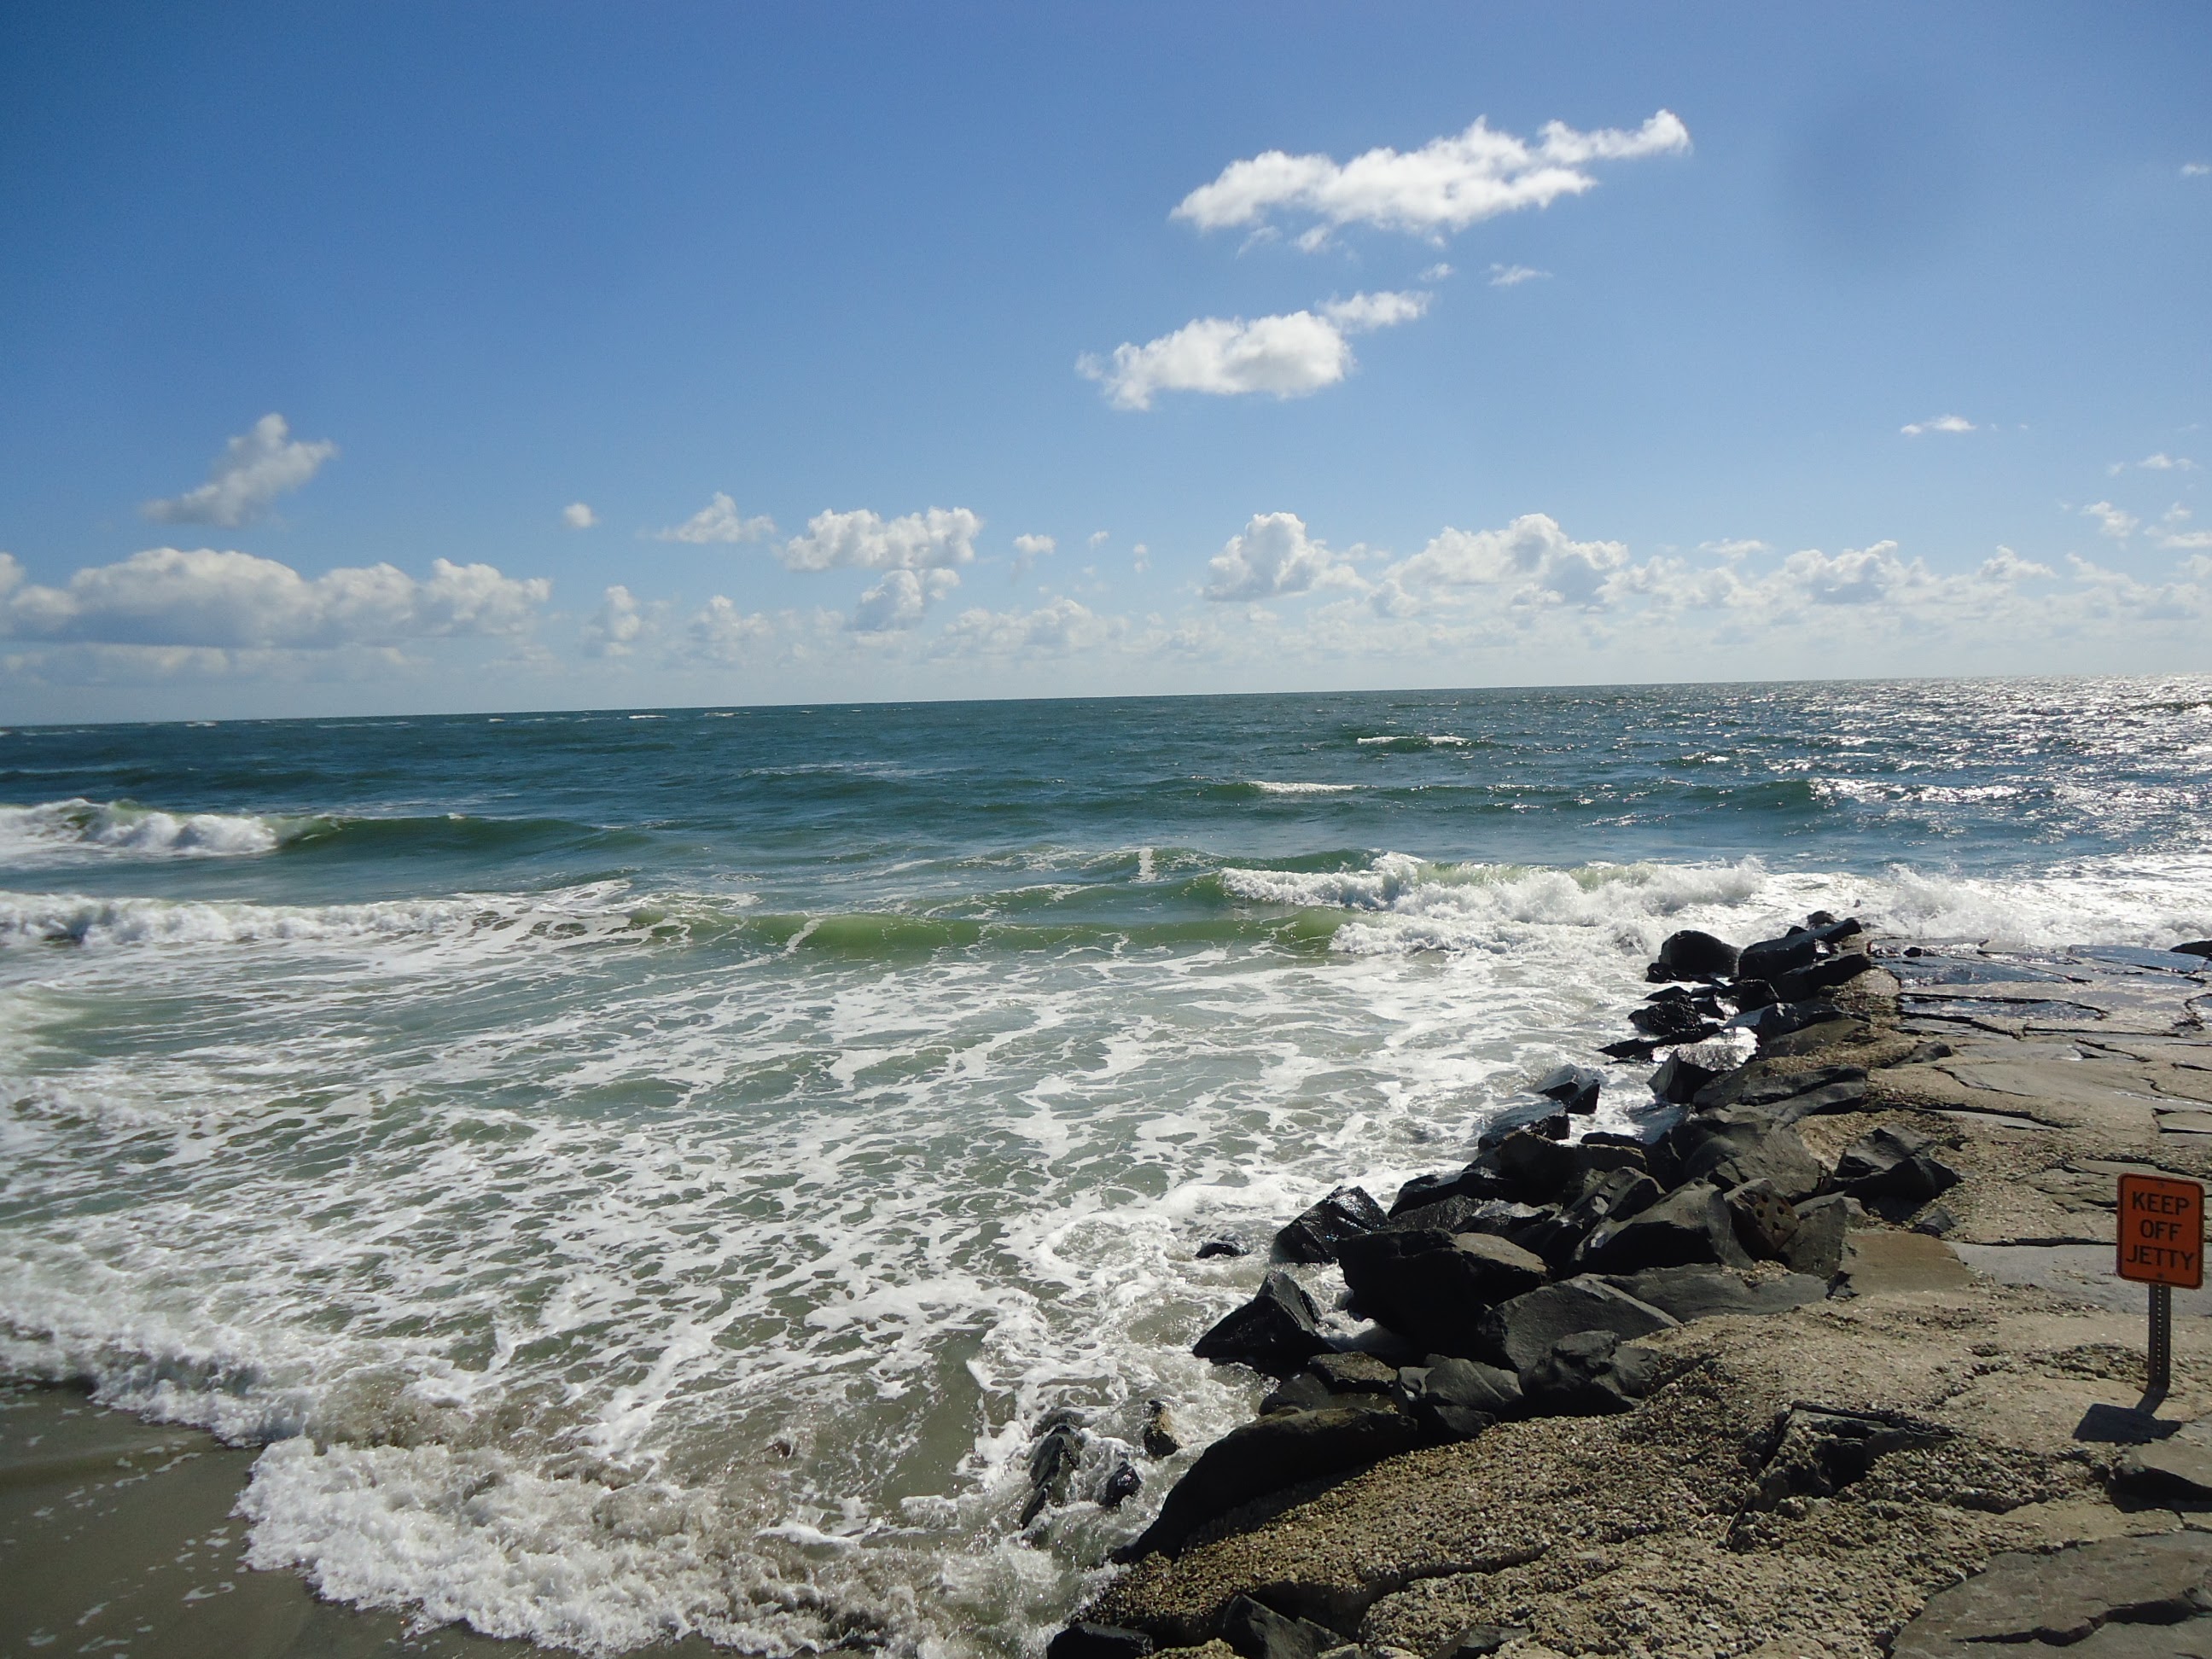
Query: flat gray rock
[[2102, 1593], [1689, 1293], [2179, 1467]]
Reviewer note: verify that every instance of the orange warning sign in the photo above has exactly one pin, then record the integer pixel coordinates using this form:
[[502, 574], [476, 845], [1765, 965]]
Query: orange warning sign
[[2161, 1230]]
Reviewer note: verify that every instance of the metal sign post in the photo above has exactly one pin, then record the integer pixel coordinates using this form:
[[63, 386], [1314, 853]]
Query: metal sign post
[[2161, 1244]]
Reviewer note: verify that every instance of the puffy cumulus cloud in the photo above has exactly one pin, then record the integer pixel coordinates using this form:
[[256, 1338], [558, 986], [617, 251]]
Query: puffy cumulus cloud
[[1028, 549], [254, 468], [2173, 531], [2006, 566], [1447, 185], [1273, 558], [1941, 423], [578, 515], [718, 521], [1529, 561], [1514, 275], [719, 632], [938, 539], [897, 602], [1055, 629], [1290, 355], [615, 629], [218, 600], [2111, 521]]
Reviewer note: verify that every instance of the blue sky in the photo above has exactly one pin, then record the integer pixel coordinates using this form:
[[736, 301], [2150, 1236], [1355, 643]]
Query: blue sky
[[1863, 342]]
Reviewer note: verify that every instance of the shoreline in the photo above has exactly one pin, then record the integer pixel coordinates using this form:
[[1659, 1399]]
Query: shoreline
[[1805, 1464]]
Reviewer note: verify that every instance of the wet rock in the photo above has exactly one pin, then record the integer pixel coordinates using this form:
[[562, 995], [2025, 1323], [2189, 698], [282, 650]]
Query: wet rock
[[1477, 1180], [1121, 1484], [1781, 1019], [1460, 1214], [1823, 1229], [1534, 1167], [2116, 1598], [1833, 930], [1737, 1145], [1689, 1225], [1894, 1163], [1820, 1039], [1162, 1437], [1227, 1245], [1674, 1020], [1818, 1450], [1432, 1289], [1269, 1454], [1759, 1083], [1258, 1632], [1823, 976], [1314, 1236], [1692, 955], [1519, 1332], [1689, 1293], [2195, 947], [1458, 1398], [1352, 1373], [1545, 1118], [1766, 1222], [1769, 958], [1276, 1331], [1589, 1374], [1052, 1462], [1681, 1074], [1302, 1393], [1085, 1640], [1574, 1087]]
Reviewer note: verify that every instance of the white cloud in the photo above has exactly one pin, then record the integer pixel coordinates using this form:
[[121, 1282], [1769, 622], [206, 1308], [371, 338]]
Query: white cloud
[[1028, 549], [2196, 169], [2006, 566], [1532, 558], [1733, 549], [1447, 185], [1941, 423], [2112, 521], [165, 597], [1514, 275], [1095, 540], [860, 540], [255, 468], [1062, 626], [1273, 557], [1141, 556], [2160, 462], [1435, 273], [578, 516], [719, 632], [1285, 356], [2171, 535], [898, 600], [718, 521], [615, 627]]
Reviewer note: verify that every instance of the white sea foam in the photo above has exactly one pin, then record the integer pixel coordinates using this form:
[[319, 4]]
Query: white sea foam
[[68, 831], [1267, 787]]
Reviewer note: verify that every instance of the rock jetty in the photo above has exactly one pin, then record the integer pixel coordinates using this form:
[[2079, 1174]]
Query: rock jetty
[[1827, 1359]]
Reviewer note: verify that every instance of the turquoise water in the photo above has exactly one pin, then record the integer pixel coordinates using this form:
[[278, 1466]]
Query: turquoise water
[[643, 1173]]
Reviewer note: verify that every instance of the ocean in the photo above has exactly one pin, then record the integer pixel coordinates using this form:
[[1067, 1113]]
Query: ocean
[[641, 1173]]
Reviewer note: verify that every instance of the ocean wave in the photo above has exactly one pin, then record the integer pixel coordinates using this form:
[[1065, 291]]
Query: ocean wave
[[76, 828], [1267, 787], [1412, 742]]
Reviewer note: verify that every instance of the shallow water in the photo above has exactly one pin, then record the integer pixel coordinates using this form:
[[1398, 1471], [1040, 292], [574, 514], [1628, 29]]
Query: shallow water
[[651, 1173]]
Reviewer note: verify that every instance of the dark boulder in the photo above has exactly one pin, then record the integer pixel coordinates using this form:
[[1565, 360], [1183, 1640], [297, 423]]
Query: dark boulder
[[1532, 1167], [1460, 1214], [1519, 1332], [1599, 1195], [1765, 1221], [1547, 1118], [1477, 1180], [1827, 1035], [1894, 1163], [1782, 1019], [1692, 955], [2195, 947], [1750, 994], [1823, 976], [1352, 1373], [1085, 1640], [1432, 1289], [1121, 1483], [1161, 1436], [1736, 1144], [1689, 1293], [1269, 1454], [1764, 1083], [1681, 1074], [1823, 1226], [1830, 930], [1771, 959], [1227, 1245], [1458, 1398], [1345, 1213], [1690, 1224], [1674, 1020], [1302, 1393], [1276, 1331], [1052, 1462], [1589, 1374], [1575, 1087], [1629, 1048], [1256, 1631]]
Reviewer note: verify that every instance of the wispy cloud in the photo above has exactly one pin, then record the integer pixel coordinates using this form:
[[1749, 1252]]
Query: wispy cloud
[[1290, 355], [1514, 275], [2160, 462], [719, 521], [1941, 423], [2196, 169], [254, 468], [1446, 185], [2112, 521]]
